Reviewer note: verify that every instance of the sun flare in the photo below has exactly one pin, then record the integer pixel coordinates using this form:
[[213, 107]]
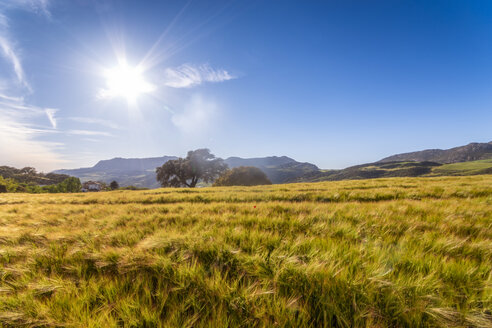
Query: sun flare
[[127, 82]]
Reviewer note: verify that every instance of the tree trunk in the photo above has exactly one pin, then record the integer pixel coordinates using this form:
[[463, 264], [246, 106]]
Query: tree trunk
[[193, 183]]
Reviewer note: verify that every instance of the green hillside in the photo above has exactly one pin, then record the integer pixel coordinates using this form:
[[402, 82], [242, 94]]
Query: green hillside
[[400, 169], [464, 168]]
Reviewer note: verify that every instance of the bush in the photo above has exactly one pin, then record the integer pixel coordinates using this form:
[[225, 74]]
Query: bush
[[71, 184], [9, 185], [243, 176], [133, 188]]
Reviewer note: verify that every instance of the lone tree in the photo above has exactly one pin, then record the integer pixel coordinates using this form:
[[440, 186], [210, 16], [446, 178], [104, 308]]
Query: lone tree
[[243, 176], [200, 164], [71, 184], [114, 185]]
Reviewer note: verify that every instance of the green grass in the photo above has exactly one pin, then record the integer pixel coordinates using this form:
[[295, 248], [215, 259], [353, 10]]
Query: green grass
[[465, 168], [398, 252]]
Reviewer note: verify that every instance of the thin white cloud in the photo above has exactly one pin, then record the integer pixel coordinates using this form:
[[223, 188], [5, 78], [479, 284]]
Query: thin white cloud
[[98, 121], [19, 139], [40, 7], [89, 133], [10, 54], [50, 112], [16, 108], [8, 47], [3, 21], [91, 139], [187, 75], [20, 132], [10, 98]]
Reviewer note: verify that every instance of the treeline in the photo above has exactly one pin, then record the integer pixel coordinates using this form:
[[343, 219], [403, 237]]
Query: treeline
[[70, 184], [29, 175], [29, 180]]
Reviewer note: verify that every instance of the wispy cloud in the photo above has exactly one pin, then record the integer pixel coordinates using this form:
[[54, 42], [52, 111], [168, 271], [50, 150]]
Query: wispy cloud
[[8, 47], [3, 20], [98, 121], [19, 138], [40, 7], [10, 98], [89, 133], [187, 75], [10, 54], [91, 139], [50, 112], [21, 141], [17, 108]]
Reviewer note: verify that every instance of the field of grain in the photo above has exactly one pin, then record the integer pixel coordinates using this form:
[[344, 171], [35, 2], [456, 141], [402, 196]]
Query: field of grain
[[399, 252]]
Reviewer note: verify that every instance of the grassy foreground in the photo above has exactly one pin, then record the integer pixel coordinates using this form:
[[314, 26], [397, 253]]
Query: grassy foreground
[[399, 252]]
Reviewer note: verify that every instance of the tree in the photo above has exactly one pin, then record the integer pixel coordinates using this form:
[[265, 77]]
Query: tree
[[198, 165], [71, 184], [8, 185], [114, 185], [30, 176], [243, 176], [28, 170]]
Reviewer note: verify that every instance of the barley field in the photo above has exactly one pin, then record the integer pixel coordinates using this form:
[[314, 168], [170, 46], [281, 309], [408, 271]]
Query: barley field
[[397, 252]]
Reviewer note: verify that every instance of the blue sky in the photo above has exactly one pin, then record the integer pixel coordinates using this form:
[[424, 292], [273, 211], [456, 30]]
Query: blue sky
[[335, 83]]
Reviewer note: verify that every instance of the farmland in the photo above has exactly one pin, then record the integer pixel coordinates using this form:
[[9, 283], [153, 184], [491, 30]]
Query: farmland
[[403, 252]]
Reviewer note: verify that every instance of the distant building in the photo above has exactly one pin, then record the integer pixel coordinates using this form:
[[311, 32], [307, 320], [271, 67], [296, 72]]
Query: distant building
[[92, 186]]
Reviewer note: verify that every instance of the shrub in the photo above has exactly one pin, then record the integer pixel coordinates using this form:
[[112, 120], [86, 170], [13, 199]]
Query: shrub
[[243, 176]]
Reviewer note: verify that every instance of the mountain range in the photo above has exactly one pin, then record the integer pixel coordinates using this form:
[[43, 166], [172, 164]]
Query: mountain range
[[471, 152], [140, 172], [474, 158]]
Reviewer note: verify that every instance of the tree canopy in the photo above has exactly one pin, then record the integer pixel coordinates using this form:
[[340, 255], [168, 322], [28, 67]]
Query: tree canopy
[[243, 176], [198, 165], [114, 185], [70, 184], [30, 175]]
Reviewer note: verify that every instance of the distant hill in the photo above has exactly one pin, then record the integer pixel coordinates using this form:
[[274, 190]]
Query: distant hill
[[271, 161], [471, 152], [140, 172], [29, 175], [372, 171], [474, 158], [278, 169], [132, 164]]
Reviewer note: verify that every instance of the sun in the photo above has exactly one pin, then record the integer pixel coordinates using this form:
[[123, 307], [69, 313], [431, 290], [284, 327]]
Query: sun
[[125, 81]]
